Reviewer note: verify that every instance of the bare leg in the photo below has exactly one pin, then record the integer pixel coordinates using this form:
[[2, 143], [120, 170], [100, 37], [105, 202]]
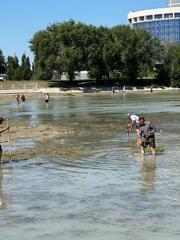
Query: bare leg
[[142, 151], [0, 157], [153, 150]]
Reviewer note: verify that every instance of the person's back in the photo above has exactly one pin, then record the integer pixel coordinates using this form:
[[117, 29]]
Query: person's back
[[146, 130], [134, 118], [23, 98], [134, 121]]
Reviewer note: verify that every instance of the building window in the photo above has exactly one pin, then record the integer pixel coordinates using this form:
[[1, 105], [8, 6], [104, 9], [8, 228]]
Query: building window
[[135, 19], [158, 16], [141, 18], [149, 17], [130, 20], [168, 15], [177, 15]]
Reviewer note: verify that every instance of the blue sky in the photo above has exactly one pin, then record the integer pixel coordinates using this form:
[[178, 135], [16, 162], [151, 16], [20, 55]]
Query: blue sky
[[20, 19]]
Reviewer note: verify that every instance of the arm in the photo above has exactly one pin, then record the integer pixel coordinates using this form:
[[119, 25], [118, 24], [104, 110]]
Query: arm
[[130, 126], [4, 129], [151, 130]]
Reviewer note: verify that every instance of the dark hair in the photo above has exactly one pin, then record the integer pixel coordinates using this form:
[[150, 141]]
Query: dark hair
[[141, 119], [2, 119]]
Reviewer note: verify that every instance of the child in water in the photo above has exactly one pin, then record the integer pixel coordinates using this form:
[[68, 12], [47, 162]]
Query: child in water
[[47, 98]]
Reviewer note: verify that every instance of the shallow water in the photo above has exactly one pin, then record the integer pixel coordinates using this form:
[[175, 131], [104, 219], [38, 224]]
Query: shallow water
[[111, 193]]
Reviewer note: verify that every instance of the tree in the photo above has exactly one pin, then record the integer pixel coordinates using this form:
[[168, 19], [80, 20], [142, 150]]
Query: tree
[[13, 68], [42, 47], [119, 53], [2, 63], [25, 68], [169, 65]]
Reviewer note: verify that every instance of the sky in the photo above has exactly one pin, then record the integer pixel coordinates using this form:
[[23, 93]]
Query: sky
[[20, 19]]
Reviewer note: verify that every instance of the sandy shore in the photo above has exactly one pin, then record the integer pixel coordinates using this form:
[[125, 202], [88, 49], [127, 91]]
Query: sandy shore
[[83, 90], [7, 96]]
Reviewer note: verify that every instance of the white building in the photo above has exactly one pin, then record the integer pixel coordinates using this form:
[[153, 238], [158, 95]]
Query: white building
[[163, 23]]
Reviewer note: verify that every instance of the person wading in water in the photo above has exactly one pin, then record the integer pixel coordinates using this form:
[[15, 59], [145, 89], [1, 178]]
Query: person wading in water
[[2, 130], [146, 136], [47, 98], [134, 121], [23, 99]]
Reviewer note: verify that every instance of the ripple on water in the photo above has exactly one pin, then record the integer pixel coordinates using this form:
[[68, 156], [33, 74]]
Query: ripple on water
[[109, 194]]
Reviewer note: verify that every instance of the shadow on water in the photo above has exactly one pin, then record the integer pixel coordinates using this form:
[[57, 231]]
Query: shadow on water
[[148, 175], [3, 198]]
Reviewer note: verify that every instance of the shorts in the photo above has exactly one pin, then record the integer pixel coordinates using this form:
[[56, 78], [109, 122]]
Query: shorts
[[151, 142], [46, 101]]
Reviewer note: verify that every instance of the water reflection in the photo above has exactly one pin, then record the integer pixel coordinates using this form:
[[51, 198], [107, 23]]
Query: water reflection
[[3, 199], [148, 175]]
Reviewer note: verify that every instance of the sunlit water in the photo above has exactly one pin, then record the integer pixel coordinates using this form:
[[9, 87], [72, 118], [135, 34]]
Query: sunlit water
[[110, 194]]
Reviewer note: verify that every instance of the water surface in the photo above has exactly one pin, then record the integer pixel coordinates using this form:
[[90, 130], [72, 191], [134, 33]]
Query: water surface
[[109, 194]]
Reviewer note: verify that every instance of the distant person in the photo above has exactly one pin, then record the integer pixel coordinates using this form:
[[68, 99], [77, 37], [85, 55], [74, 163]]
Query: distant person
[[47, 98], [18, 98], [23, 99], [124, 89], [146, 136], [1, 131], [133, 121], [151, 89]]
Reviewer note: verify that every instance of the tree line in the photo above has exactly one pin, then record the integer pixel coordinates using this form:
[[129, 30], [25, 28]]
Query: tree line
[[118, 54], [14, 69]]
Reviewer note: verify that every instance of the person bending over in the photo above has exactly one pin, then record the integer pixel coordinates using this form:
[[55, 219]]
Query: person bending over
[[133, 121]]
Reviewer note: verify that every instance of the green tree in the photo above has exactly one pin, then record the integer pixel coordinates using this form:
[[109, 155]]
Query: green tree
[[119, 53], [25, 68], [12, 69], [42, 48], [168, 66], [2, 63]]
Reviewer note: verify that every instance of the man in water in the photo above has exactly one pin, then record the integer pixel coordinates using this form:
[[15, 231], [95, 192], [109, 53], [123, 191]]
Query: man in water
[[134, 120], [23, 99], [1, 131], [146, 136], [18, 98]]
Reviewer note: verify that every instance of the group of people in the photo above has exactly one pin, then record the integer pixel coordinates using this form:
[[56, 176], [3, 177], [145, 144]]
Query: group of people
[[23, 98], [145, 132], [20, 98], [2, 120]]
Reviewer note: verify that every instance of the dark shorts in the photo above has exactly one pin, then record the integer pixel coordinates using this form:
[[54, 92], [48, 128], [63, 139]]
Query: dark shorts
[[0, 148], [151, 142], [46, 101]]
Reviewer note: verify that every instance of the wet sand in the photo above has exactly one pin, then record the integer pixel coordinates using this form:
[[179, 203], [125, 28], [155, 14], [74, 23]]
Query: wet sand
[[50, 139]]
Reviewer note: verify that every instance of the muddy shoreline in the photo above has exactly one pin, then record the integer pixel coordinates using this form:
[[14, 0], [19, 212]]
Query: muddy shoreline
[[51, 140]]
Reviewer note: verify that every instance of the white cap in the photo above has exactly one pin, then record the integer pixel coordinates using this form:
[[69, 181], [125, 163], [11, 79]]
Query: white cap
[[129, 114]]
